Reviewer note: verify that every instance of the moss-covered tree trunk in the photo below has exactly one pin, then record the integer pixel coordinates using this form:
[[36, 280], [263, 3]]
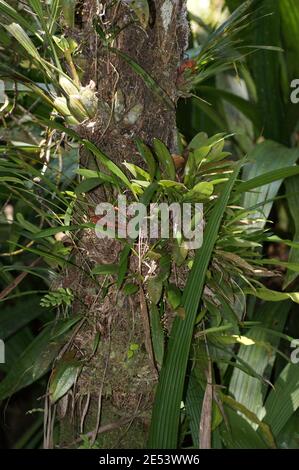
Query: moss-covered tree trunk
[[113, 396]]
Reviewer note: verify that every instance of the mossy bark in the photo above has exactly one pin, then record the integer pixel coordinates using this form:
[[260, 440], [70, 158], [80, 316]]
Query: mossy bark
[[113, 396]]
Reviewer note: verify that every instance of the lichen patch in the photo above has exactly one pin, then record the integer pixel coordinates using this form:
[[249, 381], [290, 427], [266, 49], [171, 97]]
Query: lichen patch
[[166, 13]]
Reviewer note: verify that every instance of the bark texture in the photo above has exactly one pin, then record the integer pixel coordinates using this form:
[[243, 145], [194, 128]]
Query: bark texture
[[113, 396]]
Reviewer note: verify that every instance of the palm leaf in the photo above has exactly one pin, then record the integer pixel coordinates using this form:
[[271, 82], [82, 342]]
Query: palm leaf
[[283, 400], [248, 390]]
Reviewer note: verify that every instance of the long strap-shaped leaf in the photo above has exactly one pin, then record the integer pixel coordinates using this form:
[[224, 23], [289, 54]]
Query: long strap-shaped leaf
[[166, 410]]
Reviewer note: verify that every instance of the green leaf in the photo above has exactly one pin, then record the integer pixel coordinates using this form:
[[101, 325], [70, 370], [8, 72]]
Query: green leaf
[[65, 325], [272, 295], [148, 157], [172, 184], [154, 288], [137, 172], [246, 389], [249, 109], [10, 12], [16, 316], [55, 298], [11, 179], [105, 269], [198, 141], [63, 378], [165, 159], [166, 410], [289, 11], [37, 9], [240, 435], [283, 400], [22, 37], [292, 185], [37, 358], [288, 438], [48, 232], [264, 429], [108, 163], [271, 163], [201, 190], [267, 178], [25, 224], [294, 267], [130, 288], [87, 185], [266, 69], [174, 296], [68, 9], [123, 265], [194, 400], [95, 174]]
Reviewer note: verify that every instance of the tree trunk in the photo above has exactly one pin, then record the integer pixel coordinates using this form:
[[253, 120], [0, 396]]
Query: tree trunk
[[113, 396]]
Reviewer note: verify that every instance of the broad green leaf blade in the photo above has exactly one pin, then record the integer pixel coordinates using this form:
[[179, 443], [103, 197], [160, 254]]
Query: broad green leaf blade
[[264, 429], [68, 9], [288, 437], [15, 317], [240, 434], [166, 410], [95, 174], [105, 269], [194, 399], [165, 159], [266, 70], [292, 190], [22, 37], [107, 162], [15, 346], [36, 360], [137, 172], [130, 288], [154, 288], [289, 10], [87, 185], [289, 14], [63, 378], [123, 264], [148, 157], [271, 295], [248, 390], [10, 12], [266, 179], [247, 108], [266, 157], [294, 267], [283, 400]]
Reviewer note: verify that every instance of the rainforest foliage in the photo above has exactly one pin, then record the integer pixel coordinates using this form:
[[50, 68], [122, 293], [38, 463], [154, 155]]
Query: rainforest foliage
[[215, 352]]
